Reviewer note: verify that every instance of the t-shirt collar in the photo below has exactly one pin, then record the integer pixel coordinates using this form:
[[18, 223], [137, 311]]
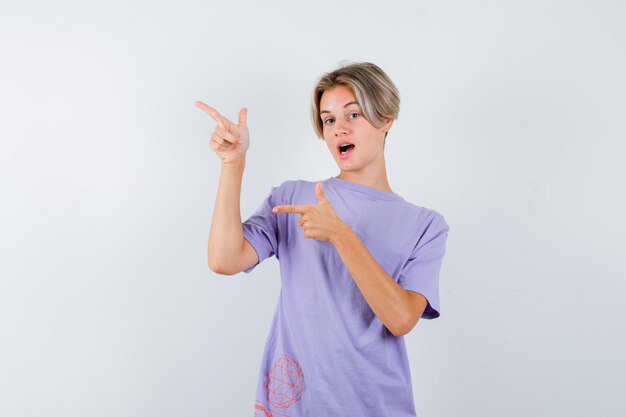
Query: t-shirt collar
[[370, 191]]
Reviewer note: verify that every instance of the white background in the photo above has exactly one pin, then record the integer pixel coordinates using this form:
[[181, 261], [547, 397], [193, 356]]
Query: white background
[[511, 125]]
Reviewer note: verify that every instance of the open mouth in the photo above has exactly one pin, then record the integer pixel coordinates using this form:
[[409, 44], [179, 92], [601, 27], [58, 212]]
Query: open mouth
[[345, 148]]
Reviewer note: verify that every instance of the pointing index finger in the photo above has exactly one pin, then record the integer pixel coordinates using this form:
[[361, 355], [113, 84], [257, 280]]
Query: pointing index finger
[[213, 113], [289, 209]]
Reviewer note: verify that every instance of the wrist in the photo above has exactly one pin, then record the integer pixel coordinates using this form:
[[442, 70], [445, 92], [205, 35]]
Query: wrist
[[237, 165], [342, 233]]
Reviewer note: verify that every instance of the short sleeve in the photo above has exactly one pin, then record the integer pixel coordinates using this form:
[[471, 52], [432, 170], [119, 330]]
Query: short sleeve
[[261, 229], [421, 272]]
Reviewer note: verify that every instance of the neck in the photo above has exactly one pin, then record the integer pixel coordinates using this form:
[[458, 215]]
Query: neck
[[376, 178]]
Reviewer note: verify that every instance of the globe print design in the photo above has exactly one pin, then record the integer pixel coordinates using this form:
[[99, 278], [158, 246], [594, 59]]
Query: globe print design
[[284, 384]]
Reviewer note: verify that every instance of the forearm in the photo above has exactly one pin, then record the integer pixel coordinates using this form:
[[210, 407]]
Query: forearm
[[387, 299], [226, 234]]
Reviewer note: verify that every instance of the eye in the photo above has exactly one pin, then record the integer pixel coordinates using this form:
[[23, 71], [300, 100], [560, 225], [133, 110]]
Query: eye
[[353, 113], [327, 120]]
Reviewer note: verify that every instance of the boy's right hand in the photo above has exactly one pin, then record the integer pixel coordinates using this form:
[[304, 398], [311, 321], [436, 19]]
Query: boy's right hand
[[229, 141]]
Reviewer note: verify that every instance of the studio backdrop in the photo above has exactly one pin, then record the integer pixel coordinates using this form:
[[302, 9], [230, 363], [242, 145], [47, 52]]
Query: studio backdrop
[[511, 125]]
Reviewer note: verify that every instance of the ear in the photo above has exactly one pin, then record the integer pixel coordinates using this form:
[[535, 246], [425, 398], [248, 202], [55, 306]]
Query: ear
[[388, 125]]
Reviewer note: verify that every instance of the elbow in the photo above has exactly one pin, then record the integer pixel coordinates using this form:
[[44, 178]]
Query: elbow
[[214, 265], [398, 332], [218, 269], [403, 328]]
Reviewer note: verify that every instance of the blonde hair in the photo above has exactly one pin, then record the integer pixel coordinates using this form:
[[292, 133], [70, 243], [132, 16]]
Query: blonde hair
[[376, 94]]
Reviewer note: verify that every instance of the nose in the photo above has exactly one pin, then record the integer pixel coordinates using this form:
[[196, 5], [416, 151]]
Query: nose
[[341, 128]]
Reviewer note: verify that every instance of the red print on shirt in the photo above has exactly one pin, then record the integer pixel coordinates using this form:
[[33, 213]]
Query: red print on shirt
[[284, 384], [261, 411]]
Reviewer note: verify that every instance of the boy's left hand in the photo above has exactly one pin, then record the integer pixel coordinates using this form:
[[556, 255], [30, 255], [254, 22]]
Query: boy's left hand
[[319, 221]]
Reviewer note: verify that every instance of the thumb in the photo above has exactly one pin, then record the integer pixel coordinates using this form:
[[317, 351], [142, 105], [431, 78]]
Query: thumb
[[321, 197], [243, 116]]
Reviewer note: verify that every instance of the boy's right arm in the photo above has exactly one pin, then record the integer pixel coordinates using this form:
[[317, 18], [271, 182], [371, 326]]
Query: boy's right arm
[[228, 251]]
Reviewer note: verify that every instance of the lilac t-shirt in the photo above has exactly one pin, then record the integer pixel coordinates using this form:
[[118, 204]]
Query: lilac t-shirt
[[327, 353]]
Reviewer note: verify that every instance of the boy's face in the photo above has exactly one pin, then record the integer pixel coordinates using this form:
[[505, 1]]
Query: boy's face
[[343, 121]]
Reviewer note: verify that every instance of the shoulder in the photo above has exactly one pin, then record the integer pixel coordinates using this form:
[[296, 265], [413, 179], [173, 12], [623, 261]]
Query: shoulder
[[288, 190], [437, 219], [292, 185], [424, 214], [425, 220]]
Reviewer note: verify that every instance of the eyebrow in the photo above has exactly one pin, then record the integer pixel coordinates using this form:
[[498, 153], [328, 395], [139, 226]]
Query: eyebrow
[[345, 105]]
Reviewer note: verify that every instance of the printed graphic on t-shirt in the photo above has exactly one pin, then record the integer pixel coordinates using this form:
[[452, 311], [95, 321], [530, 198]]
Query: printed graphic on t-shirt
[[283, 385], [260, 410]]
